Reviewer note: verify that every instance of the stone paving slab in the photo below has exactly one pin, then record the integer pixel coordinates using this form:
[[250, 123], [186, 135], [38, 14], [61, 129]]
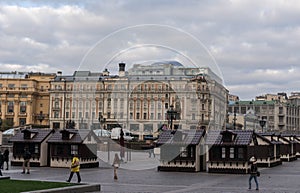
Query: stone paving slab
[[280, 179]]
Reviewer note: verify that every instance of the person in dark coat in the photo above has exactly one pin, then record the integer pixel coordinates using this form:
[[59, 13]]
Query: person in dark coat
[[26, 162], [1, 162], [6, 158], [253, 172]]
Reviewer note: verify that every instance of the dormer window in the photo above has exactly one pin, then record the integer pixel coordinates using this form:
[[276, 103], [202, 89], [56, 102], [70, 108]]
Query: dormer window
[[28, 134], [65, 135], [228, 137]]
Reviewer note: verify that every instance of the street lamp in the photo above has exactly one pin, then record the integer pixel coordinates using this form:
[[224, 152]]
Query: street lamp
[[101, 120], [171, 115], [234, 120], [262, 123]]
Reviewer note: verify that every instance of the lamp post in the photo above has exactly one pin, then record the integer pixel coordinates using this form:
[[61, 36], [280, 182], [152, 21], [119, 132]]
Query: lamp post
[[101, 120], [262, 123], [234, 120], [171, 115]]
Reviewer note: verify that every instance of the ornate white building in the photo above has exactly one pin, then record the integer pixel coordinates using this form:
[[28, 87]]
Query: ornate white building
[[141, 99]]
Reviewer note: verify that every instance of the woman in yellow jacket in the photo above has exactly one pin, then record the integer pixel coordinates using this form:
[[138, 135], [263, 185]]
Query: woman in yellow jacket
[[75, 166]]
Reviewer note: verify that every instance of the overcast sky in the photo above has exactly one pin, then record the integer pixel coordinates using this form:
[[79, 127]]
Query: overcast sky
[[255, 43]]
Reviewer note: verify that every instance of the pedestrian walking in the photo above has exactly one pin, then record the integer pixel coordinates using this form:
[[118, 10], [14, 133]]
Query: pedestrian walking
[[6, 158], [75, 167], [253, 172], [116, 165], [1, 162], [151, 150], [26, 162]]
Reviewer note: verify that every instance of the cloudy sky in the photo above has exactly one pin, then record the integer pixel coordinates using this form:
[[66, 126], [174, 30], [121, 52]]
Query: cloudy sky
[[254, 43]]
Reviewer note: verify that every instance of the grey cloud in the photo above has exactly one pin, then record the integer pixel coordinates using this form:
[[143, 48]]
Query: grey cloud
[[243, 36]]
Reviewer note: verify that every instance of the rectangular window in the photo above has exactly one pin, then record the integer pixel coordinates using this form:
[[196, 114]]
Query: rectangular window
[[158, 116], [56, 114], [231, 155], [56, 104], [145, 115], [115, 104], [193, 116], [159, 104], [67, 115], [10, 106], [22, 121], [11, 86], [152, 116], [36, 148], [137, 115], [131, 105], [74, 149], [22, 107], [23, 86], [223, 152], [183, 152], [122, 103], [241, 153]]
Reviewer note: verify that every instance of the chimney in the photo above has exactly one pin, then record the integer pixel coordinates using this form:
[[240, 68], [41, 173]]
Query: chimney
[[122, 69], [105, 72]]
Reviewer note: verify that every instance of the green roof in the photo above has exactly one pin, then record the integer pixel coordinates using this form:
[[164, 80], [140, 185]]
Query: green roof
[[253, 103]]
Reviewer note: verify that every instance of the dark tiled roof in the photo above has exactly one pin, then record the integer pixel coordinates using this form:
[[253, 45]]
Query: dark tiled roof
[[39, 135], [78, 136], [213, 137], [274, 139], [186, 137], [241, 137]]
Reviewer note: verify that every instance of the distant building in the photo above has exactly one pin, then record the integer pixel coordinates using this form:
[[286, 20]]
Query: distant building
[[281, 97], [24, 98], [233, 98], [139, 99], [280, 115]]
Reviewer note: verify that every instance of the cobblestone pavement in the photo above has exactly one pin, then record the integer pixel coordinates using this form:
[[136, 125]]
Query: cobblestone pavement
[[284, 178]]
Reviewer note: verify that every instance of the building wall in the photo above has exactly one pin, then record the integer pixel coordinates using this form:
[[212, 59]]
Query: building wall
[[28, 92], [138, 101]]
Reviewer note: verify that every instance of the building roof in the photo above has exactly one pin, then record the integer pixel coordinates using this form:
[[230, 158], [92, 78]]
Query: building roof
[[239, 137], [38, 135], [273, 137], [252, 102], [187, 137], [76, 136]]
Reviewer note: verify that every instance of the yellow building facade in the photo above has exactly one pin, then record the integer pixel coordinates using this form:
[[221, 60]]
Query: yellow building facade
[[24, 98]]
